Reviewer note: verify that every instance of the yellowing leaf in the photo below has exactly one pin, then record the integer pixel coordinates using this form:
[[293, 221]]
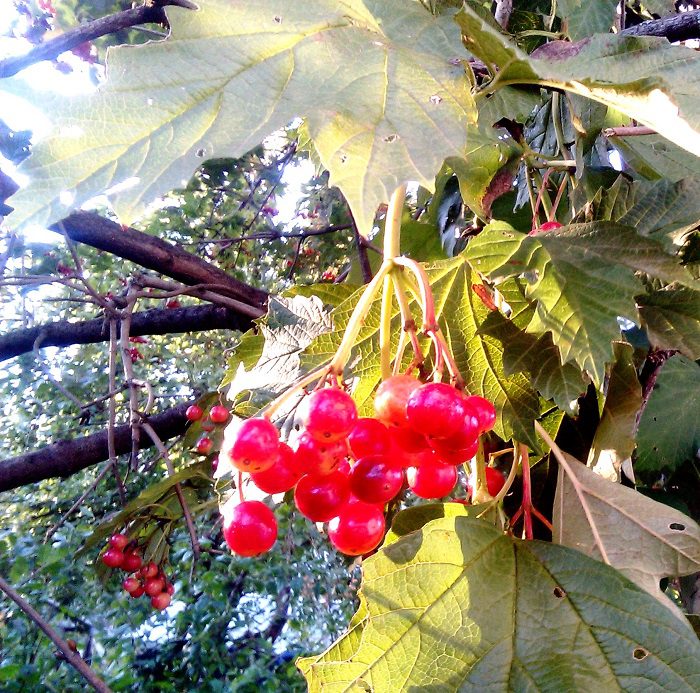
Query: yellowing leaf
[[458, 606], [384, 99], [643, 539]]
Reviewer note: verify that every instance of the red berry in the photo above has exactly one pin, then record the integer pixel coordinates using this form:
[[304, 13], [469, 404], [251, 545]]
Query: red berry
[[150, 570], [132, 561], [170, 588], [408, 440], [118, 541], [369, 437], [483, 410], [320, 498], [432, 480], [436, 410], [329, 414], [154, 586], [390, 400], [113, 558], [358, 529], [194, 413], [495, 481], [219, 414], [449, 455], [137, 593], [204, 445], [160, 601], [550, 226], [207, 425], [250, 528], [131, 584], [376, 480], [281, 476], [255, 446], [317, 457]]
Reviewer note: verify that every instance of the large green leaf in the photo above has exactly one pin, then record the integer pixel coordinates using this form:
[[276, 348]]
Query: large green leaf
[[540, 360], [645, 540], [461, 314], [644, 77], [584, 279], [458, 606], [586, 17], [384, 98], [654, 157], [669, 430], [671, 317], [613, 442]]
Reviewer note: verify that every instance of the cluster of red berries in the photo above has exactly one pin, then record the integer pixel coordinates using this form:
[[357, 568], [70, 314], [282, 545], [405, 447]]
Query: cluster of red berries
[[218, 414], [420, 433], [146, 579]]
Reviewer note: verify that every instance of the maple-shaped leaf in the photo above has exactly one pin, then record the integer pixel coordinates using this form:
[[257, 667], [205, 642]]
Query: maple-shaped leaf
[[384, 96], [582, 278]]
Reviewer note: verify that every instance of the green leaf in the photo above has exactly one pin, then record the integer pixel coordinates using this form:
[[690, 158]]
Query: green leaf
[[645, 540], [540, 360], [671, 318], [665, 209], [645, 77], [653, 157], [669, 430], [613, 442], [479, 356], [439, 613], [384, 99], [586, 17], [583, 280]]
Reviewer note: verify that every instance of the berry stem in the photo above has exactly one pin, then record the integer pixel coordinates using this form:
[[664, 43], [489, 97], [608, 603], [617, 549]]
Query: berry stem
[[312, 376], [408, 323], [385, 329]]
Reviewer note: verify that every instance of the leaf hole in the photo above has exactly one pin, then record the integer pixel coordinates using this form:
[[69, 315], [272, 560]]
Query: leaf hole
[[391, 138], [343, 158], [200, 153], [277, 19], [640, 653], [559, 593], [435, 99], [677, 526]]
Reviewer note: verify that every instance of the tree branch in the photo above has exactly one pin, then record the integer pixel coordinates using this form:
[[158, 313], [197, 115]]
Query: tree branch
[[67, 457], [72, 657], [677, 27], [155, 254], [145, 14], [148, 322]]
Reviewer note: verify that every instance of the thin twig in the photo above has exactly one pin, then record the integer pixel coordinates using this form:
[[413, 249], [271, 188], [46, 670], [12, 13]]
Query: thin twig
[[49, 376], [628, 131], [128, 366], [72, 657], [362, 256], [111, 422]]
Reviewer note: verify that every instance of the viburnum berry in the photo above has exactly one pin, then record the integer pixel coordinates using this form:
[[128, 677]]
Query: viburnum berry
[[449, 455], [113, 558], [314, 456], [282, 476], [132, 561], [207, 425], [408, 440], [194, 412], [219, 414], [369, 437], [436, 410], [495, 481], [358, 529], [154, 586], [329, 414], [483, 410], [255, 446], [149, 570], [374, 479], [131, 584], [432, 480], [204, 445], [250, 528], [160, 601], [119, 541], [170, 588], [550, 226], [320, 498], [390, 400]]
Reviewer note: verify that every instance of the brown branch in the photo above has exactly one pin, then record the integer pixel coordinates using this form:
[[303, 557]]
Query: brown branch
[[155, 254], [152, 13], [628, 131], [147, 322], [677, 27], [362, 256], [67, 457], [72, 657]]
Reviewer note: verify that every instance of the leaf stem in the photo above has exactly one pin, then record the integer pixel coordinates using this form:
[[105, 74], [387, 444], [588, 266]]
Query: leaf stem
[[385, 328]]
